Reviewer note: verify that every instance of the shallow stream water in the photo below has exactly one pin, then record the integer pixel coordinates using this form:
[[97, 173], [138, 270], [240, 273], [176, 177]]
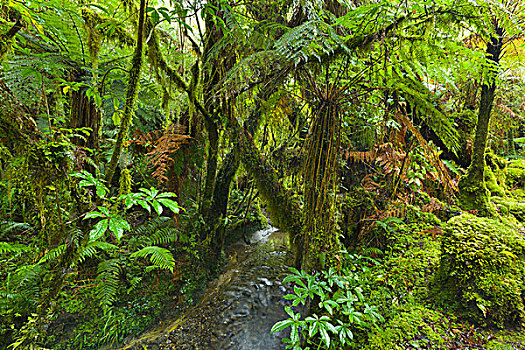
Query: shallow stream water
[[239, 309]]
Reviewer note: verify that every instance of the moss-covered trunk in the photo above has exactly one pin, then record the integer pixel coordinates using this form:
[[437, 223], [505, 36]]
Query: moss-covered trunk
[[211, 166], [131, 95], [230, 164], [511, 145], [320, 236], [284, 211], [7, 39], [473, 190]]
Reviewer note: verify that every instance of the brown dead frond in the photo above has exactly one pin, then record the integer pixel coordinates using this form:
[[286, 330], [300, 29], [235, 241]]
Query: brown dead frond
[[160, 146], [442, 173]]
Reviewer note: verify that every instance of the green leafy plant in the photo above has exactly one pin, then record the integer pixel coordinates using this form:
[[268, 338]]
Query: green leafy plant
[[152, 198], [111, 222], [339, 304]]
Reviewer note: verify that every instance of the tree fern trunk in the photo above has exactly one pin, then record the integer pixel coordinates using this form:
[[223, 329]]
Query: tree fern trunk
[[321, 242], [131, 95], [85, 114]]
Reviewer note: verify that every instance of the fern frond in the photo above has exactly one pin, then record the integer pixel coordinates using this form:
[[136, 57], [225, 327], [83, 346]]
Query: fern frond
[[164, 236], [311, 39], [91, 249], [8, 226], [13, 248], [53, 254], [107, 278], [159, 257]]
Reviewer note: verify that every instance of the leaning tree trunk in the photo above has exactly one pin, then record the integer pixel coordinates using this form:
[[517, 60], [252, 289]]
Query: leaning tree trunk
[[227, 171], [283, 210], [131, 95], [473, 192], [321, 242]]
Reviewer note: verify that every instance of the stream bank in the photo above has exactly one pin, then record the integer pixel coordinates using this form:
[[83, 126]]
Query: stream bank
[[239, 308]]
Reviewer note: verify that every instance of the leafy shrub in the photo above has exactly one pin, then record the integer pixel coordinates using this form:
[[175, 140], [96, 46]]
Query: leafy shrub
[[340, 305]]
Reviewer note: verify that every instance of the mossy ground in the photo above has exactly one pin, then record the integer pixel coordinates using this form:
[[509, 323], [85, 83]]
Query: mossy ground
[[416, 315]]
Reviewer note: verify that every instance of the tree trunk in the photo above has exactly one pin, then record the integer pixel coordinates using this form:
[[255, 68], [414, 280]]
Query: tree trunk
[[85, 114], [131, 95], [321, 242], [473, 193]]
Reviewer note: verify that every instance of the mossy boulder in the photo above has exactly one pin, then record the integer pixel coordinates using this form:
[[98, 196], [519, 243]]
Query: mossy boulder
[[482, 269], [493, 185], [516, 173], [508, 206]]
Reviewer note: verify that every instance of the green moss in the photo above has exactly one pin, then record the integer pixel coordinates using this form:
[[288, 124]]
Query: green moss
[[504, 340], [516, 173], [493, 184], [414, 260], [515, 177], [414, 214], [509, 206], [482, 269], [474, 195], [412, 326]]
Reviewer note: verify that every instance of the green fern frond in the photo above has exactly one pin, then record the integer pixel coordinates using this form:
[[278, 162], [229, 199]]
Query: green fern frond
[[107, 278], [159, 257], [8, 226], [13, 248], [93, 247], [53, 254], [311, 39], [164, 236]]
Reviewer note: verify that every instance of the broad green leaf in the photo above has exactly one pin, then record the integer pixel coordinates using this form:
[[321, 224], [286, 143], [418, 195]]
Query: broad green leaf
[[101, 190], [93, 214], [104, 211], [157, 206], [98, 230], [279, 326], [172, 205], [117, 226]]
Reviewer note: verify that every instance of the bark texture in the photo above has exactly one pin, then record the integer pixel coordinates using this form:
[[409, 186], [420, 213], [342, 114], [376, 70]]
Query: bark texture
[[474, 194]]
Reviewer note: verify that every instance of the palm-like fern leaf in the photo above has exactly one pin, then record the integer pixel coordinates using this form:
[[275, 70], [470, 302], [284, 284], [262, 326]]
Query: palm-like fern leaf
[[159, 257]]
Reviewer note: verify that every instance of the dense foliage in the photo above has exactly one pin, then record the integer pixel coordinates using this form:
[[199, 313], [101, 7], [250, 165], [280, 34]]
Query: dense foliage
[[139, 138]]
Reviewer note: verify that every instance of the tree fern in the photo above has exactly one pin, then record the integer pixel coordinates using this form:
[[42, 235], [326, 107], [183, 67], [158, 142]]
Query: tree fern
[[311, 39]]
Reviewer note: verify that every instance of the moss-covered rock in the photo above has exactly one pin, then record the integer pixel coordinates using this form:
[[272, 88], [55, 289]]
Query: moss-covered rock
[[493, 184], [482, 269], [516, 173], [508, 206], [413, 326], [496, 174]]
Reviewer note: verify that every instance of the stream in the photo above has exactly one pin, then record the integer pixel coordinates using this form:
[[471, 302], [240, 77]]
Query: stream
[[238, 309]]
